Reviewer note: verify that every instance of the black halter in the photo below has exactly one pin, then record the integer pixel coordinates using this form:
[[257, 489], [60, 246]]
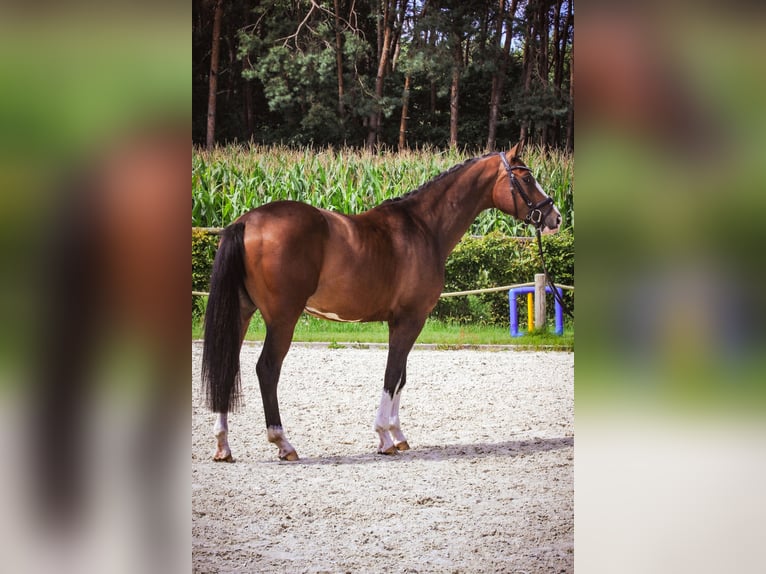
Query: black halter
[[535, 214], [535, 217]]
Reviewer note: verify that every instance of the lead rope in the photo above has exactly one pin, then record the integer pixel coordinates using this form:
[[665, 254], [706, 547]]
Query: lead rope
[[550, 281]]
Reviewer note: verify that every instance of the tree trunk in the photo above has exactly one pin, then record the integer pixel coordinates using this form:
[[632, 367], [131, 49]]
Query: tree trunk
[[396, 33], [498, 78], [557, 58], [247, 84], [570, 119], [247, 93], [494, 105], [455, 94], [543, 30], [339, 61], [542, 63], [559, 74], [213, 85], [384, 47], [559, 48], [431, 42], [528, 65], [405, 111], [564, 42]]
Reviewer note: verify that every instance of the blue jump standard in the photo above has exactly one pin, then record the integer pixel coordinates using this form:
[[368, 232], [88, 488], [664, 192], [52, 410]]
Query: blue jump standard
[[514, 312]]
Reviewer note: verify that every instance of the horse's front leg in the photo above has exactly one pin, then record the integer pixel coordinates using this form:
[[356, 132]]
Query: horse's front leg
[[402, 335], [383, 424], [395, 428], [387, 423]]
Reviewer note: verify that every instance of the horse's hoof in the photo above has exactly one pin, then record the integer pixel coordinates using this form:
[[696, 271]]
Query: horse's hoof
[[404, 445], [290, 456], [389, 451], [227, 458]]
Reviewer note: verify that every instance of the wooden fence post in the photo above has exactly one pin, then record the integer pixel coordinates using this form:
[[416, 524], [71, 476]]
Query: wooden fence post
[[539, 300]]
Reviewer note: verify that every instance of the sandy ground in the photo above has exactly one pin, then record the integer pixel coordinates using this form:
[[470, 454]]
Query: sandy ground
[[487, 486]]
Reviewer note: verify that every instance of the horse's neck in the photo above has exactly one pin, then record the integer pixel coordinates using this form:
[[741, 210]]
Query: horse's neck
[[449, 209]]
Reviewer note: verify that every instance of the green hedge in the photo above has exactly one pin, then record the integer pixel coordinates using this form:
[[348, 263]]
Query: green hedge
[[476, 263], [204, 246], [494, 260]]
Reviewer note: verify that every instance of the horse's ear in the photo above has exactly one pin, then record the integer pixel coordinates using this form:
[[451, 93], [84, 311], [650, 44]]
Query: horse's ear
[[516, 150]]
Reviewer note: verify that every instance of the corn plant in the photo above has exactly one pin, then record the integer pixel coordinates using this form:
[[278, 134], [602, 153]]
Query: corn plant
[[228, 181]]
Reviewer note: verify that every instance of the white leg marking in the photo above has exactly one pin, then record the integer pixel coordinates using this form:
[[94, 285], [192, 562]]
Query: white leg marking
[[221, 424], [277, 436], [383, 424], [221, 432], [395, 426]]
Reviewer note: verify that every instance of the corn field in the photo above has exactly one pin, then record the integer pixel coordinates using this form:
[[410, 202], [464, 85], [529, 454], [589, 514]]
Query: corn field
[[228, 181]]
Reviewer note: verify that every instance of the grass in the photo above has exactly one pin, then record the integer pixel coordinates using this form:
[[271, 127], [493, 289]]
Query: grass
[[440, 333]]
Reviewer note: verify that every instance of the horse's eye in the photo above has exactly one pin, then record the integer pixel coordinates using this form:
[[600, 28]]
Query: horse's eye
[[528, 179]]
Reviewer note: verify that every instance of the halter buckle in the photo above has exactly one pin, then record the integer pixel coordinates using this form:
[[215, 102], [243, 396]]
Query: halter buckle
[[535, 217]]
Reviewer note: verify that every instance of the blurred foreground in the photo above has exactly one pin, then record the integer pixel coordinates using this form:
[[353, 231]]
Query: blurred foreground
[[94, 394], [670, 378], [94, 363]]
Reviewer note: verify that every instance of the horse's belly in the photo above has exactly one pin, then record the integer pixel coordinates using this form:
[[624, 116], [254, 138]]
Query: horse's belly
[[337, 305], [329, 315]]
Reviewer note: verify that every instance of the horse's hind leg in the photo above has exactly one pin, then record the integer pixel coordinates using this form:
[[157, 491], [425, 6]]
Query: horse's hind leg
[[221, 432], [221, 428], [278, 338]]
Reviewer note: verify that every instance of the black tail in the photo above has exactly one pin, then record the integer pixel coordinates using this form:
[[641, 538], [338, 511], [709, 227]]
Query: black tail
[[220, 355]]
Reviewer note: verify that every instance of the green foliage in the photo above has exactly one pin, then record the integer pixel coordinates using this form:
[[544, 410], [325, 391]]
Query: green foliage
[[227, 182], [299, 85], [495, 260], [290, 58], [203, 252], [285, 69]]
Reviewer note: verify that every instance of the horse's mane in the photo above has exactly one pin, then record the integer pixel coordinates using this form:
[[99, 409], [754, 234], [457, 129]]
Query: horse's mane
[[437, 178]]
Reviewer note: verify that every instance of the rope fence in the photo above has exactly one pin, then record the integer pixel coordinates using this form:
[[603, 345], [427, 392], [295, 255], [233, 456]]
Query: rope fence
[[211, 230], [217, 230], [458, 293]]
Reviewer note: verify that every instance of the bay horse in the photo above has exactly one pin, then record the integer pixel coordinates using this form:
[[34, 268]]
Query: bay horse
[[386, 264]]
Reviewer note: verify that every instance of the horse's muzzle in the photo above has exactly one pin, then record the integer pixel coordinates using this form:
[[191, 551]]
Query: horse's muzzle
[[552, 222]]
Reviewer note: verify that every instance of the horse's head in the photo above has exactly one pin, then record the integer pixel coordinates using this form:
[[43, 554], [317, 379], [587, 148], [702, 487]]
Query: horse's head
[[517, 193]]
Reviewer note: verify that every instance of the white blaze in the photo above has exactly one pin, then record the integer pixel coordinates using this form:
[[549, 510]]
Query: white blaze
[[547, 230]]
